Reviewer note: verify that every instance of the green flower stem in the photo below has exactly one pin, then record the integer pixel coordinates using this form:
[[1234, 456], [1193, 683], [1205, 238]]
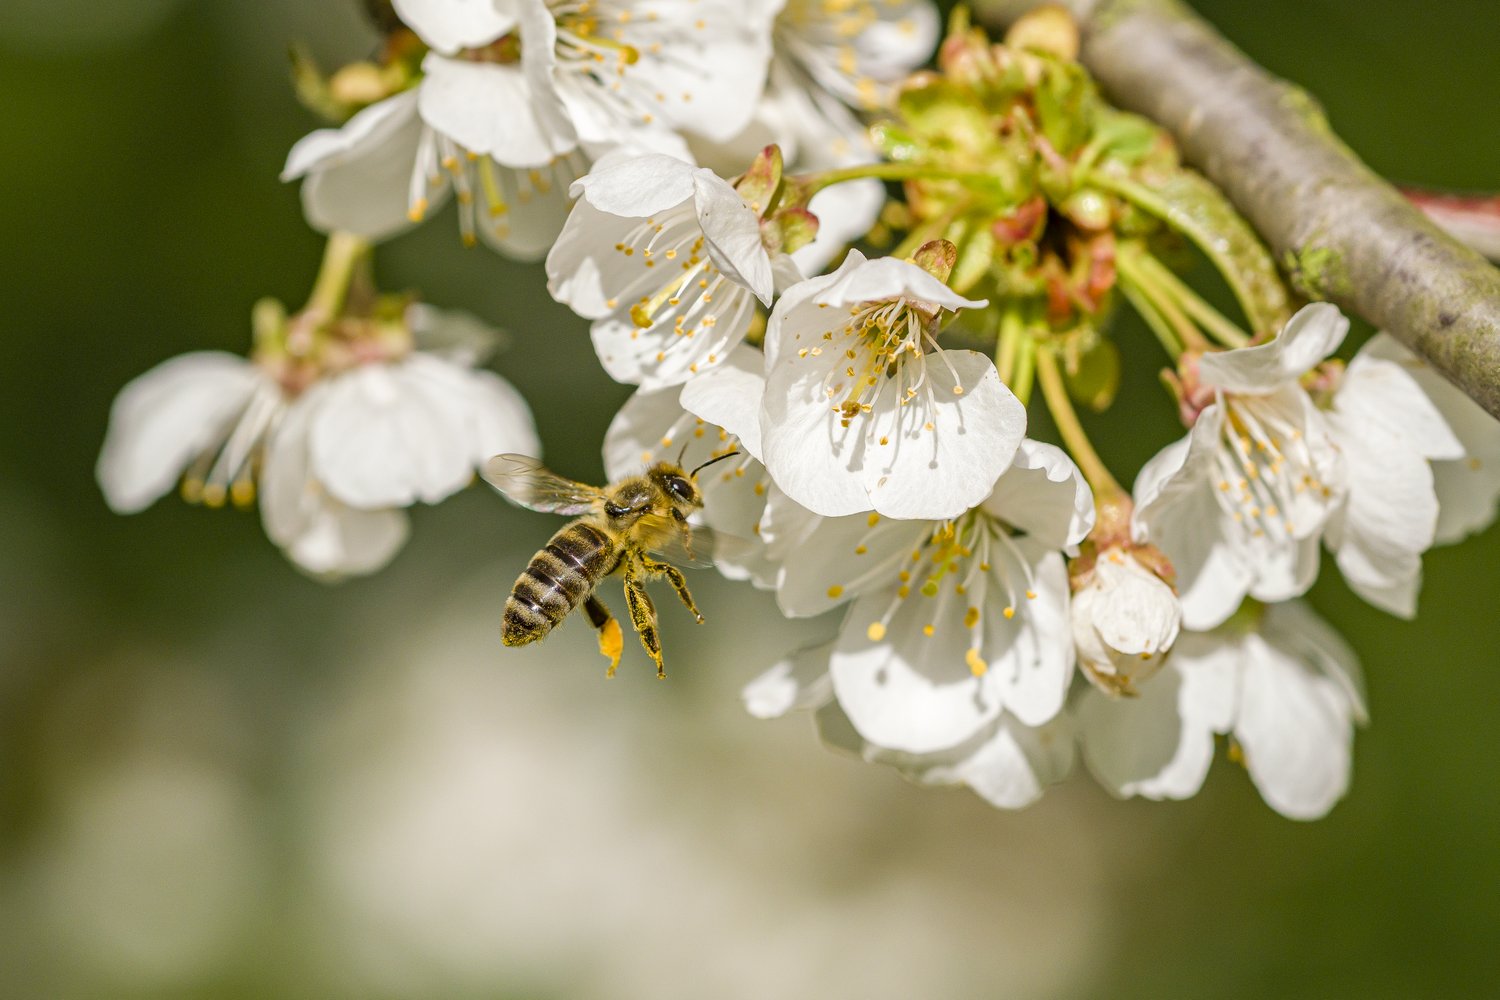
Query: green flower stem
[[1128, 261], [1026, 352], [1073, 435], [1009, 344], [343, 258], [889, 172], [1220, 327]]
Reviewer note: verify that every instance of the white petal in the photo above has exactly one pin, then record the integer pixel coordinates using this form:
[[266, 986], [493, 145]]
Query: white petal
[[845, 213], [165, 418], [1011, 768], [1177, 511], [321, 535], [733, 232], [1388, 518], [889, 278], [387, 435], [1382, 395], [643, 431], [449, 25], [659, 356], [729, 396], [637, 186], [499, 421], [359, 178], [1030, 655], [1311, 335], [452, 334], [532, 208], [1160, 744], [1044, 495], [911, 691], [584, 270], [798, 682], [946, 451], [834, 559], [1468, 489], [1296, 728], [494, 109]]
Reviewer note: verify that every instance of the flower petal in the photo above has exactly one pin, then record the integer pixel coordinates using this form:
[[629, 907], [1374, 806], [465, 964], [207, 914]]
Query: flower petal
[[1311, 335], [388, 435], [798, 682], [729, 396], [1010, 768], [1296, 729], [1159, 745], [1044, 495], [637, 186], [359, 177], [733, 232], [495, 110], [165, 418], [449, 25]]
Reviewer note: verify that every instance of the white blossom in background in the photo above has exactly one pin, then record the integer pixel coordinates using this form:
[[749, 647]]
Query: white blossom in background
[[830, 61], [485, 121], [1278, 679], [333, 455], [1468, 488], [656, 426], [1388, 430], [668, 261], [1240, 503], [864, 410], [1125, 618], [950, 622], [516, 100]]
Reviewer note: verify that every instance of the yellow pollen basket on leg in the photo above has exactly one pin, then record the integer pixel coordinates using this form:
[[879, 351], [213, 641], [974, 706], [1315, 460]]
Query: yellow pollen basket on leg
[[611, 645]]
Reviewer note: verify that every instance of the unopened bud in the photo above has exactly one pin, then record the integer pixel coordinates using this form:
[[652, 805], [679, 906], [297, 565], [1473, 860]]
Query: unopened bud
[[1049, 28], [1125, 617]]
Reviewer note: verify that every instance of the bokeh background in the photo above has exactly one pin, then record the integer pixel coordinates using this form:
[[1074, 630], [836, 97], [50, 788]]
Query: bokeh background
[[219, 779]]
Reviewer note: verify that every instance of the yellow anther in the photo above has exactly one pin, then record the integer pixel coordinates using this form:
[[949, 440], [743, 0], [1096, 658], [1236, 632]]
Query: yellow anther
[[976, 663], [927, 630], [1010, 612], [835, 591], [875, 632], [971, 617]]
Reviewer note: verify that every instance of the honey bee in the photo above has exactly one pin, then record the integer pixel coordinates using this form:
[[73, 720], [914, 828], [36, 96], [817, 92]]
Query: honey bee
[[620, 526]]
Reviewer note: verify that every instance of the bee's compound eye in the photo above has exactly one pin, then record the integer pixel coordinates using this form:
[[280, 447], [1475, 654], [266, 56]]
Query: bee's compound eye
[[680, 488]]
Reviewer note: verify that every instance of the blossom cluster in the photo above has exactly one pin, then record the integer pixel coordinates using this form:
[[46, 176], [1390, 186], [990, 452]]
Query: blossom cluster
[[692, 172]]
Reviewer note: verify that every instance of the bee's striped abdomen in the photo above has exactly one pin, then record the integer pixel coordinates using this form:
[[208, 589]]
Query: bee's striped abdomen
[[559, 577]]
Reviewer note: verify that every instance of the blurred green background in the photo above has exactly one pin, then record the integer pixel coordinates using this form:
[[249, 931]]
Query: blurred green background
[[218, 779]]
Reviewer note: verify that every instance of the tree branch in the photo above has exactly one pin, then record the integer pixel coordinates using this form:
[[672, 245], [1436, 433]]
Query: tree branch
[[1339, 231]]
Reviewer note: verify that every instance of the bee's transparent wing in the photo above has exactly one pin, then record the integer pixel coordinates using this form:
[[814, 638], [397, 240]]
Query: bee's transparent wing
[[693, 548], [526, 482]]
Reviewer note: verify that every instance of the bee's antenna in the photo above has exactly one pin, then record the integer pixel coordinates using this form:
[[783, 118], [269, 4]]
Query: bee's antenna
[[681, 454], [711, 461]]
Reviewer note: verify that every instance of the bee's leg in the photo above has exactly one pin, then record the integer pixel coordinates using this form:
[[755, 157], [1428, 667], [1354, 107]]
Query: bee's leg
[[611, 641], [643, 614], [678, 581]]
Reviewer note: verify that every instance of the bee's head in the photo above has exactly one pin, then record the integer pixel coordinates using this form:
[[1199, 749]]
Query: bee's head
[[681, 486]]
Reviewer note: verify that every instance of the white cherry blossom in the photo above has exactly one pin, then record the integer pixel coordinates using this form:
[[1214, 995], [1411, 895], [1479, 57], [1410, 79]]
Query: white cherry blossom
[[826, 59], [490, 128], [950, 622], [1239, 504], [1388, 431], [667, 260], [1125, 619], [1277, 678], [332, 455], [1468, 488], [864, 410]]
